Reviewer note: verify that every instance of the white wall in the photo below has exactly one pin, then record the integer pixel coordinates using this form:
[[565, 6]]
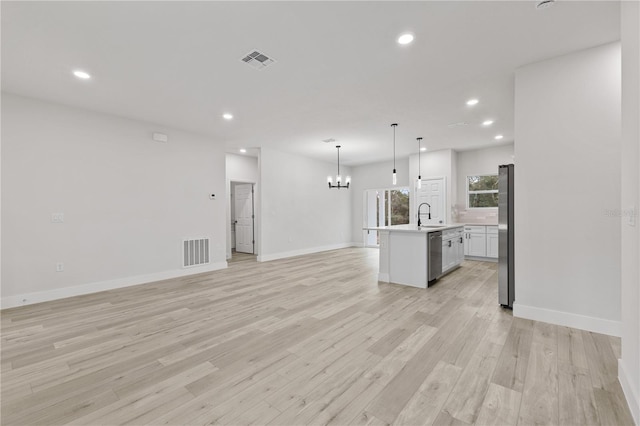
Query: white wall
[[567, 179], [127, 201], [373, 176], [479, 162], [300, 214], [240, 168], [434, 164], [629, 366]]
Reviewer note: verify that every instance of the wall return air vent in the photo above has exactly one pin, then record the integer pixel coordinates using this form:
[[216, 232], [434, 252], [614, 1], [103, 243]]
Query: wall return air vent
[[257, 60], [195, 252]]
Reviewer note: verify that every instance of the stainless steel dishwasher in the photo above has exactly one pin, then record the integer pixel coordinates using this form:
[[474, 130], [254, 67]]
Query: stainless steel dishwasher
[[435, 255]]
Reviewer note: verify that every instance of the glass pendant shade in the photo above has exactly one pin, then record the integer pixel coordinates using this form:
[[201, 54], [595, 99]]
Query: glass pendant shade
[[395, 178]]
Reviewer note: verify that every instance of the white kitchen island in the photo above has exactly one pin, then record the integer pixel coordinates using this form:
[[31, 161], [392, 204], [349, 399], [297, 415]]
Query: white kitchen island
[[404, 252]]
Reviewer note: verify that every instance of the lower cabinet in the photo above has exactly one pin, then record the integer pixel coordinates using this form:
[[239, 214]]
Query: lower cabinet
[[481, 241], [476, 245], [452, 250]]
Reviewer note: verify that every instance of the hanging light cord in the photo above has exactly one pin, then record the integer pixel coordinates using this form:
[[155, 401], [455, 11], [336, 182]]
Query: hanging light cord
[[338, 146], [419, 174]]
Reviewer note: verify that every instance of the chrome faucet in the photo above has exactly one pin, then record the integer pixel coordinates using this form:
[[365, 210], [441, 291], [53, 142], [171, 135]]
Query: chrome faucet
[[429, 212]]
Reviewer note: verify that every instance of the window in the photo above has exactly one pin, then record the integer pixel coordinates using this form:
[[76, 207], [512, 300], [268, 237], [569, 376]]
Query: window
[[482, 191], [399, 206]]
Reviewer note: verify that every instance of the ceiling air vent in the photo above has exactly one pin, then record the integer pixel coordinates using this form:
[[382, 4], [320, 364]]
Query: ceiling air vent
[[258, 60]]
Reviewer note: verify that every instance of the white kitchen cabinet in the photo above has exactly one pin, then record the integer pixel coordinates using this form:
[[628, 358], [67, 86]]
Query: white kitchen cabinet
[[460, 247], [477, 245], [475, 240], [452, 249], [449, 254]]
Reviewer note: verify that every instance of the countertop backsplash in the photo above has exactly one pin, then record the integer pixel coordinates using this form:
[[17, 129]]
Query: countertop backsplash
[[488, 216]]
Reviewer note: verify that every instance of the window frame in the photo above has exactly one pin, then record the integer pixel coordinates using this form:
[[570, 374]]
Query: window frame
[[484, 191]]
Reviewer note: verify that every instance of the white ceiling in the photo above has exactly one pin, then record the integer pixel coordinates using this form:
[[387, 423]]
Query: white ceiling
[[339, 72]]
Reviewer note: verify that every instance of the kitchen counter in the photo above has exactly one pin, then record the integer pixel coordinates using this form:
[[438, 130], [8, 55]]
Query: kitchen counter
[[414, 228], [404, 253]]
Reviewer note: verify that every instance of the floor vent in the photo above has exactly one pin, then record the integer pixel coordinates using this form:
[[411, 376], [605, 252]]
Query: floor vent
[[195, 252], [257, 60]]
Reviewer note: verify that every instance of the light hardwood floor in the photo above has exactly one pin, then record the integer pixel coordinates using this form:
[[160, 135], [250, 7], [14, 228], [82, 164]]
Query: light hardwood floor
[[307, 340]]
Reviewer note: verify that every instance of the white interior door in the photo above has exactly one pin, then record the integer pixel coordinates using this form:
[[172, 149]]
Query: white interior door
[[433, 191], [244, 217]]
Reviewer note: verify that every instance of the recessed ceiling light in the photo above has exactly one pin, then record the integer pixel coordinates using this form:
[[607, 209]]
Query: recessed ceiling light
[[487, 122], [405, 38], [423, 149], [498, 137], [227, 116], [242, 150], [81, 74], [472, 102]]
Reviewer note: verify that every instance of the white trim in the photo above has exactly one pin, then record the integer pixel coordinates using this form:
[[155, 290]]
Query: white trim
[[62, 293], [567, 319], [630, 392], [310, 250]]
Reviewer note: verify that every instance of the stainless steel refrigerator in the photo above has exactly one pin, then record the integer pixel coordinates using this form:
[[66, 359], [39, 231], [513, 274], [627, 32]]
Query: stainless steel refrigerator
[[506, 287]]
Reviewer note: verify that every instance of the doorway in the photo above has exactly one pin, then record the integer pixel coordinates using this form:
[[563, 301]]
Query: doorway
[[242, 218], [384, 207]]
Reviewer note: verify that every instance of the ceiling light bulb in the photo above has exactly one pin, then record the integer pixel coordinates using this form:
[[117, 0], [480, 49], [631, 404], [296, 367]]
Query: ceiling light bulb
[[81, 74], [423, 149], [498, 137], [242, 150], [472, 102], [487, 122], [405, 39], [227, 116]]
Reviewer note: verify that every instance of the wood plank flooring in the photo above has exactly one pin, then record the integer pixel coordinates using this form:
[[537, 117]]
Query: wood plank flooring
[[308, 340]]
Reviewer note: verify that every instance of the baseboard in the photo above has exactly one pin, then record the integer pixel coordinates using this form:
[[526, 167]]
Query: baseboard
[[597, 325], [481, 259], [311, 250], [630, 392], [62, 293]]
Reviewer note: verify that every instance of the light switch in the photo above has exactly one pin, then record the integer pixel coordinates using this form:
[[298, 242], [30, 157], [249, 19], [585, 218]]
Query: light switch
[[59, 267]]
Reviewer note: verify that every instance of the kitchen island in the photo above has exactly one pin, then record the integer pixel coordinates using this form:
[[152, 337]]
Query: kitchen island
[[404, 253]]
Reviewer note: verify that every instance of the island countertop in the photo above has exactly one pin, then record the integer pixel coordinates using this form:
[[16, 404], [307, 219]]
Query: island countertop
[[414, 228]]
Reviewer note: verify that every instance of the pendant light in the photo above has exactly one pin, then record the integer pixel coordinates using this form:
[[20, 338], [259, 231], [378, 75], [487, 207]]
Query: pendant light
[[338, 184], [419, 174], [395, 179]]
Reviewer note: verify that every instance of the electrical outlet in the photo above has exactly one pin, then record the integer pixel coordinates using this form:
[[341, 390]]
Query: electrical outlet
[[57, 217], [59, 267], [632, 216]]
